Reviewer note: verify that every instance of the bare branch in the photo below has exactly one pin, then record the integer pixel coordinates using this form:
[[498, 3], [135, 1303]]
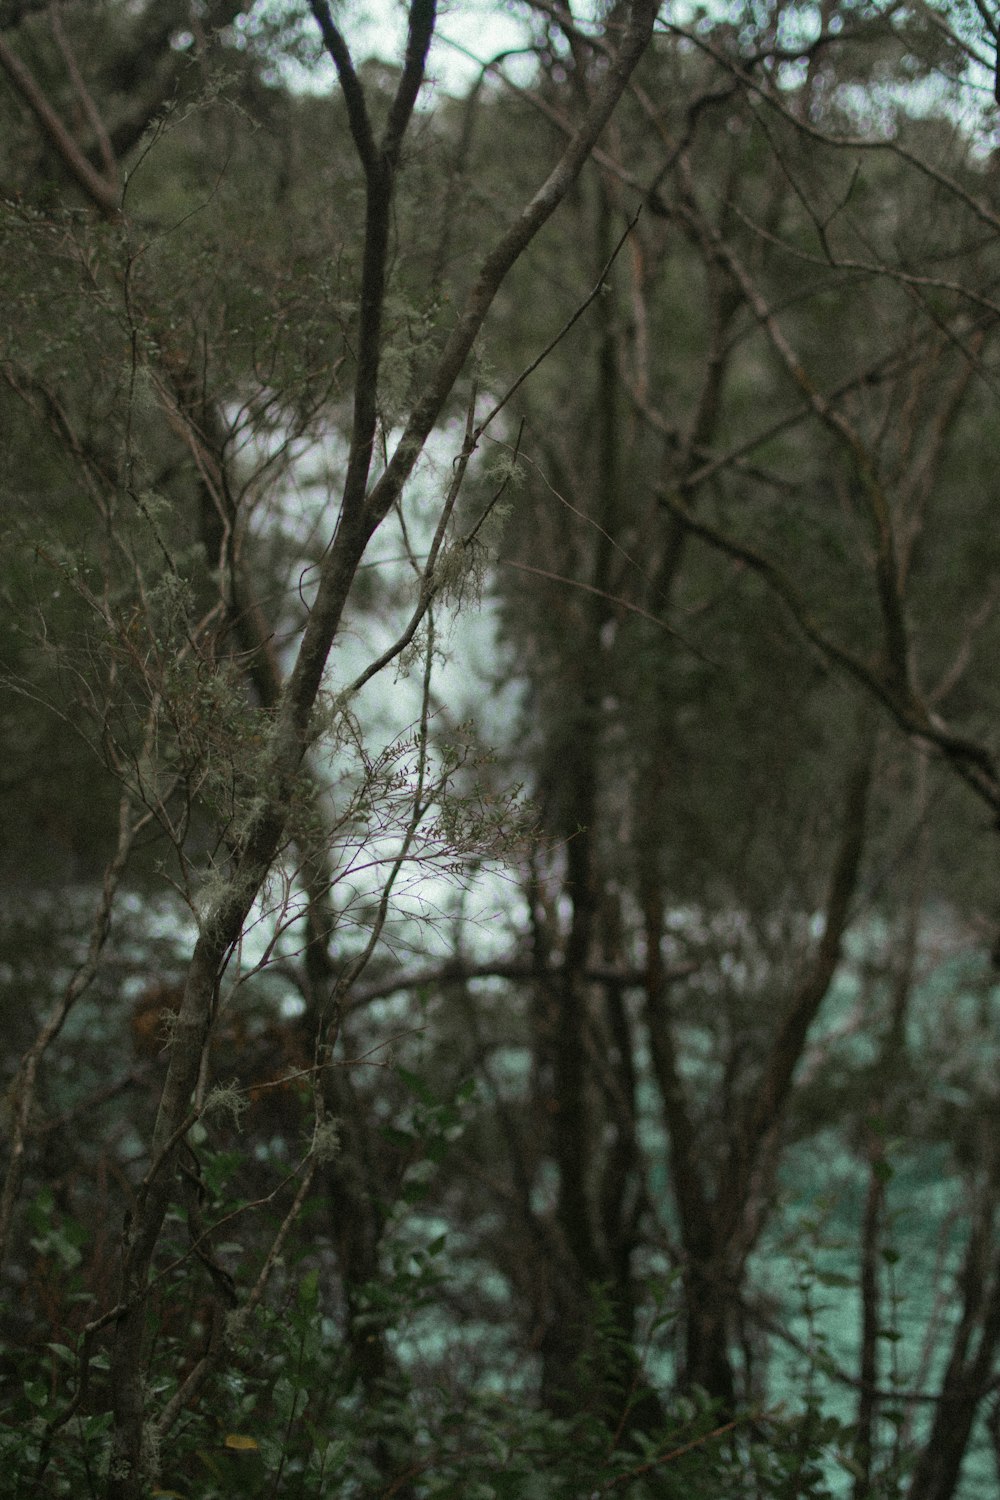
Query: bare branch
[[103, 193], [23, 1089], [973, 762]]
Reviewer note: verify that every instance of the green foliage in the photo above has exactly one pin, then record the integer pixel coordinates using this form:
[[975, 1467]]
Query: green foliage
[[599, 1113], [285, 1419]]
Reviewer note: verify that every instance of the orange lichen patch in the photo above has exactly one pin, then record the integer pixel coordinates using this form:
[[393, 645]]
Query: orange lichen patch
[[151, 1017]]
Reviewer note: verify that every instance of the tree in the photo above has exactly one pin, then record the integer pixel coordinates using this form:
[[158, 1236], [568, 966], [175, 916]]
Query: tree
[[678, 771], [284, 362], [179, 688]]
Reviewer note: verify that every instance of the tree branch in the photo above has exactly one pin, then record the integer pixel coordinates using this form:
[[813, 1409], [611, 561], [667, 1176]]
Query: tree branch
[[973, 762], [103, 193]]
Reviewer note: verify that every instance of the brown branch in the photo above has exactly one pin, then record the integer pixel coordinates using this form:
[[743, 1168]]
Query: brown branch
[[460, 971], [973, 762], [690, 1184], [103, 193], [767, 1108], [220, 1338], [636, 33], [897, 652], [600, 286], [967, 1376], [84, 95], [379, 165], [23, 1088], [615, 599], [672, 1454], [713, 464], [354, 95], [871, 1318], [222, 923], [840, 142]]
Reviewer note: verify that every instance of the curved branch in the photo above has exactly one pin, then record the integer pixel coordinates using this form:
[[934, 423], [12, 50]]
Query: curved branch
[[354, 96], [973, 762], [104, 194], [636, 35]]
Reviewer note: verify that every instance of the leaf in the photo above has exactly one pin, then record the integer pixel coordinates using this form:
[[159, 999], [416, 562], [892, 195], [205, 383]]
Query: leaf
[[285, 1396], [850, 1464], [416, 1085], [241, 1442], [309, 1290], [834, 1279]]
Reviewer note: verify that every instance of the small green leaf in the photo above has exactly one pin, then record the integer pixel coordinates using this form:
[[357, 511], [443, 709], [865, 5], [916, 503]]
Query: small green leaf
[[416, 1085], [834, 1278]]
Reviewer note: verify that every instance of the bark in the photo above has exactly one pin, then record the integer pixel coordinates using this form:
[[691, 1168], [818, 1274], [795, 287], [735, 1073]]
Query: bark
[[23, 1089], [721, 1220], [763, 1118], [100, 190], [572, 1125], [596, 1224], [707, 1290], [868, 1365], [969, 1375]]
